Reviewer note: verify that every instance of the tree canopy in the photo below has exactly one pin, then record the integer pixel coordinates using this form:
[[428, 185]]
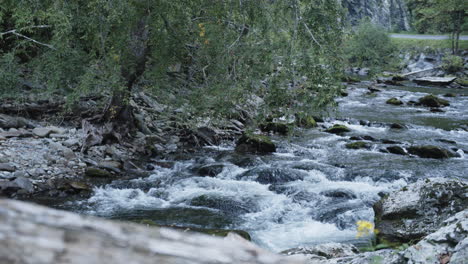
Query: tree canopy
[[211, 54]]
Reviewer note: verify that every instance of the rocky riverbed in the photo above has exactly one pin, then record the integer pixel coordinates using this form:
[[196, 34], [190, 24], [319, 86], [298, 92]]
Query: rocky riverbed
[[307, 188]]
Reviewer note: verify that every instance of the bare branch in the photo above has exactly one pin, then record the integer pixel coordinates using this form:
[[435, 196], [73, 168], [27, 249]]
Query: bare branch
[[311, 35], [16, 33]]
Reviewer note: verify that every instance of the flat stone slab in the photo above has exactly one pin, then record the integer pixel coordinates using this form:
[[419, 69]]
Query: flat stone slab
[[435, 80]]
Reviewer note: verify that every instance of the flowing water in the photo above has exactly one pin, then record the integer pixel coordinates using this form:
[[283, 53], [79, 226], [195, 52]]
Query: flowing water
[[312, 190]]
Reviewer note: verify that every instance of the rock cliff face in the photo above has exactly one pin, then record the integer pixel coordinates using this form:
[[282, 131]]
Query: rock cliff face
[[391, 14]]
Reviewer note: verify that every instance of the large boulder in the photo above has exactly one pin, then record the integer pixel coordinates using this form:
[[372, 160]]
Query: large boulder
[[432, 101], [253, 143], [394, 101], [431, 152], [338, 129], [419, 209]]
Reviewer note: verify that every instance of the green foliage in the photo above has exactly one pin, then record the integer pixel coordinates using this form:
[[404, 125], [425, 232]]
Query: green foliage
[[370, 46], [452, 63], [9, 74], [213, 55]]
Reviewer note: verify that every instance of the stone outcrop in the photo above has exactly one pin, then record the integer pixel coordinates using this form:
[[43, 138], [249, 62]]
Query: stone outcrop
[[419, 209], [38, 235], [390, 14]]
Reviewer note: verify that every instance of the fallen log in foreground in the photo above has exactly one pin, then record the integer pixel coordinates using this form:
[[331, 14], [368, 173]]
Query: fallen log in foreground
[[32, 234]]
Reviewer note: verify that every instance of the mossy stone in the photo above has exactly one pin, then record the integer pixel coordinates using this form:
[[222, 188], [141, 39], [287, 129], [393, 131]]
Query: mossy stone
[[433, 101], [96, 172], [394, 101], [357, 145], [253, 143], [338, 129]]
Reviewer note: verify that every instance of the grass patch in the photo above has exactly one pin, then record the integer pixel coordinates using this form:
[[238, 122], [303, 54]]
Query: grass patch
[[405, 44]]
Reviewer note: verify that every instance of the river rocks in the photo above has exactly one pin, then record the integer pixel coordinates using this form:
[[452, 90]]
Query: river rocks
[[7, 167], [324, 251], [439, 81], [227, 205], [432, 101], [396, 150], [358, 145], [253, 143], [431, 152], [210, 170], [46, 131], [338, 129], [419, 209], [111, 165], [9, 188], [394, 101], [449, 244], [305, 121], [13, 122], [274, 175], [96, 172], [397, 126], [280, 128]]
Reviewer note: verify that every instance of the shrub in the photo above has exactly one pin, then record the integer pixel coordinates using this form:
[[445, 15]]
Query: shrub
[[370, 46], [452, 63]]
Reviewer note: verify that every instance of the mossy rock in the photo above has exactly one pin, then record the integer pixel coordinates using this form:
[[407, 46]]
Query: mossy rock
[[462, 81], [350, 79], [276, 127], [338, 129], [253, 143], [450, 95], [358, 145], [430, 152], [305, 121], [394, 101], [344, 93], [432, 101], [396, 150], [399, 78], [97, 173]]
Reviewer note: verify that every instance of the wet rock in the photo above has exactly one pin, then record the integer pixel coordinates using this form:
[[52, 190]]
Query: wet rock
[[274, 175], [449, 244], [280, 128], [78, 185], [397, 150], [73, 142], [437, 110], [46, 131], [419, 209], [447, 141], [430, 152], [394, 101], [372, 89], [389, 141], [339, 193], [338, 129], [13, 122], [111, 165], [432, 101], [358, 145], [211, 170], [96, 172], [450, 95], [439, 81], [207, 135], [253, 143], [305, 121], [397, 126], [324, 251], [7, 167], [365, 137], [227, 205], [19, 184]]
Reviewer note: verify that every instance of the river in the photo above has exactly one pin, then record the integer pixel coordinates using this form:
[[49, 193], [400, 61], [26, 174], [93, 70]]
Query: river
[[312, 190]]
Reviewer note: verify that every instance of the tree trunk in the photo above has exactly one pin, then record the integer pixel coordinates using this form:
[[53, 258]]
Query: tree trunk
[[33, 234], [459, 25], [133, 65]]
